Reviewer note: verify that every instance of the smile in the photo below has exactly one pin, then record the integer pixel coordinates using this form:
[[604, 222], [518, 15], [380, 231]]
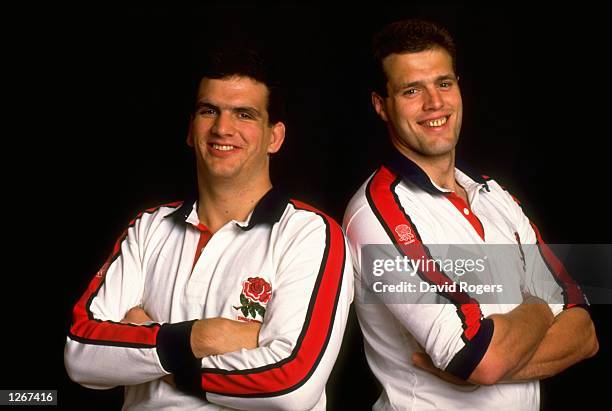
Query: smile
[[222, 147], [436, 122]]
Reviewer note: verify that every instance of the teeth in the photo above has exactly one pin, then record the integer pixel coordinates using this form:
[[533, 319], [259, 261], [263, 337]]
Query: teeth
[[437, 123], [222, 148]]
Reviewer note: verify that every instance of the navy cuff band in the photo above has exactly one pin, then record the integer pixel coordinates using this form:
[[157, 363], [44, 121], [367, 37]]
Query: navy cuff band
[[176, 356], [467, 359]]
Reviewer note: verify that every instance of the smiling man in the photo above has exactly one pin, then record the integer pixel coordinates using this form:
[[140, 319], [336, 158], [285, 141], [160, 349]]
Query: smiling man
[[457, 354], [237, 298]]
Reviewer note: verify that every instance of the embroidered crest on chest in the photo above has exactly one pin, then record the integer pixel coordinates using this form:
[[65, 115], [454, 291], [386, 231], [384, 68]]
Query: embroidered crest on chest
[[254, 297], [405, 234]]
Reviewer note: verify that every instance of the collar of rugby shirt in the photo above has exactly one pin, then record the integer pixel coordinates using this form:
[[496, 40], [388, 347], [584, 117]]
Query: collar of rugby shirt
[[411, 172], [268, 209]]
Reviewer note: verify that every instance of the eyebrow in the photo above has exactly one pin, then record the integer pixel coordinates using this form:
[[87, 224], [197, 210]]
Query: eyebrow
[[240, 109], [418, 83]]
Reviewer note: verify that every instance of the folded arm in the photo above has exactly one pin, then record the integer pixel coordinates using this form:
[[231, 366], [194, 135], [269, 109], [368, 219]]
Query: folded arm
[[298, 340], [211, 336], [516, 337], [570, 339]]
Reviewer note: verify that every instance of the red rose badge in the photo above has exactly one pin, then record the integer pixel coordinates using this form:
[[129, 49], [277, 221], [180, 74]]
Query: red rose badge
[[255, 290]]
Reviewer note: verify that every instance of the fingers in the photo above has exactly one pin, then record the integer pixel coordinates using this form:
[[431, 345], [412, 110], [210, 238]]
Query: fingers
[[169, 379], [424, 362], [136, 315]]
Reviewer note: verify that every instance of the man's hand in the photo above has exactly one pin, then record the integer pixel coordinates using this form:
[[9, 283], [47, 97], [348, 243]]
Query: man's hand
[[213, 336], [136, 315], [423, 361], [170, 380]]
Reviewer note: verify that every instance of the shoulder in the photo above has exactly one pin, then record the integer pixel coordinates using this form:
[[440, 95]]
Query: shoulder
[[500, 192], [152, 215], [362, 220], [300, 214], [306, 231], [165, 209]]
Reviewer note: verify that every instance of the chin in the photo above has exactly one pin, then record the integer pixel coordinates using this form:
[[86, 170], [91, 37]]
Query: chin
[[441, 148], [223, 173], [436, 150], [220, 172]]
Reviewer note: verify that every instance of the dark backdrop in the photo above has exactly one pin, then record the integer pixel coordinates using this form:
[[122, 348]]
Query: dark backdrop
[[101, 93]]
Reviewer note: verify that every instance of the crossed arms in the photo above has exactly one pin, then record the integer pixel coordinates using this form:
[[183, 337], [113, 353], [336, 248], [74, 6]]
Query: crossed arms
[[282, 363], [528, 343], [210, 336]]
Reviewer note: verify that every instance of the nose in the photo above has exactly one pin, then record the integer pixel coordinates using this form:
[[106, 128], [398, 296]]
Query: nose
[[433, 100], [223, 124]]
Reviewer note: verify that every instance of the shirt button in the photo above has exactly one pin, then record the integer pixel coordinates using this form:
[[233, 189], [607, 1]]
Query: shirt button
[[466, 211]]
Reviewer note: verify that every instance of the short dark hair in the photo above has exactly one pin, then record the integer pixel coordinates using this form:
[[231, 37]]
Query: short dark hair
[[407, 36], [237, 61]]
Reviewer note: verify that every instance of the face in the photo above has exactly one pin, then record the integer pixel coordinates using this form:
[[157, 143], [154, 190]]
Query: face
[[230, 131], [423, 109]]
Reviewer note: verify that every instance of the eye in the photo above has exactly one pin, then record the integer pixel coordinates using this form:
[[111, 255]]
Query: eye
[[245, 115], [409, 91], [446, 84], [207, 111]]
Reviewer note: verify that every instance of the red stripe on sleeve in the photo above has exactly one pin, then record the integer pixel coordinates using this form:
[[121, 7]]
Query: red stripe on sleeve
[[90, 330], [571, 289], [85, 327], [290, 373], [406, 237]]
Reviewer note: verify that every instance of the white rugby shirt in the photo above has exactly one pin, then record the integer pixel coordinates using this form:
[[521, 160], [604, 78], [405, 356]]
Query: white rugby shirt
[[286, 266], [397, 205]]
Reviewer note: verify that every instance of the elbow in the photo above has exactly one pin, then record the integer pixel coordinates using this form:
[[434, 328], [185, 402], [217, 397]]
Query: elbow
[[72, 365], [485, 376], [594, 349], [306, 395], [77, 374], [491, 369], [301, 399], [304, 398], [592, 345], [79, 369]]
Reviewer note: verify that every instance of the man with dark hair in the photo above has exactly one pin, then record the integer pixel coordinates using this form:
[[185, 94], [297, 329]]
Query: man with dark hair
[[237, 298], [448, 351]]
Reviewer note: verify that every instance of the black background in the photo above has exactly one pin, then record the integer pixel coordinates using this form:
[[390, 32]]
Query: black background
[[99, 116]]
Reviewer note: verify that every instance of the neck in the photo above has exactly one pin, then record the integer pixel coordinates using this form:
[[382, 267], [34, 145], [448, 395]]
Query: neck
[[222, 201], [440, 169]]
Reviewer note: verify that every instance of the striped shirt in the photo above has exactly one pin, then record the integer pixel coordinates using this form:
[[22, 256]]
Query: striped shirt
[[400, 205], [285, 266]]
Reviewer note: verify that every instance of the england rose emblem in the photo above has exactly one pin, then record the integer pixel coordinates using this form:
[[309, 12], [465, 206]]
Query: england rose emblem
[[257, 289], [255, 292]]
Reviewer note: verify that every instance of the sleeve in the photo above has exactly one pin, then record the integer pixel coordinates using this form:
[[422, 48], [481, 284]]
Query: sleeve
[[454, 334], [303, 327], [100, 351], [546, 276]]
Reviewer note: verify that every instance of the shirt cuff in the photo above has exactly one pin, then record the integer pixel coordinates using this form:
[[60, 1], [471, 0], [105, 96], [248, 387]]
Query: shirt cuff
[[467, 359], [176, 356]]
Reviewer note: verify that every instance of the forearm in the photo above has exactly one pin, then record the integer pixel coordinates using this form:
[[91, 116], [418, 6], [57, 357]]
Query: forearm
[[215, 336], [103, 353], [570, 339], [106, 366], [516, 337]]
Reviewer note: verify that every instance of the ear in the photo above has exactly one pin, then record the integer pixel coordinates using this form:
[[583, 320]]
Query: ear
[[277, 137], [190, 142], [379, 105]]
